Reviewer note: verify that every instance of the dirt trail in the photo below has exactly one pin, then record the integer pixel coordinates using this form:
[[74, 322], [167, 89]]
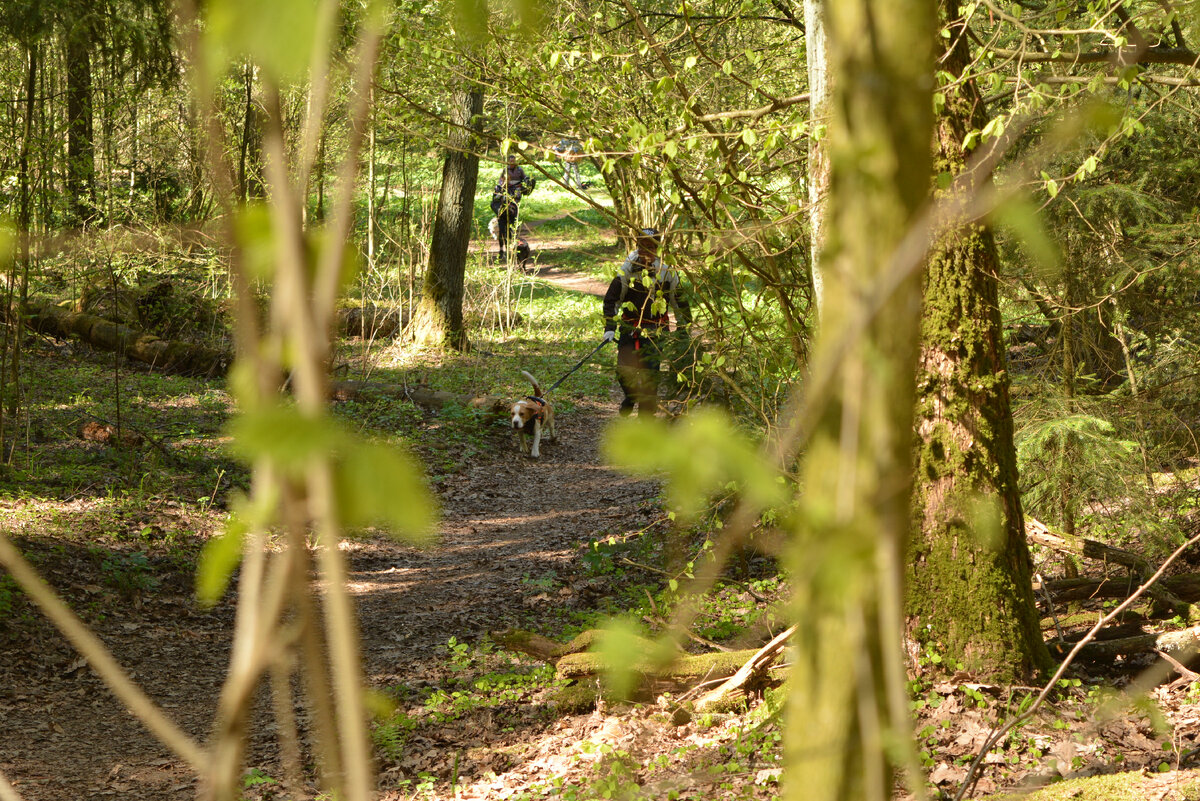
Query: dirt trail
[[510, 525]]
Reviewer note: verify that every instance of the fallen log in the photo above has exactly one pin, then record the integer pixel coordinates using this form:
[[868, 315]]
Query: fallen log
[[371, 322], [746, 672], [166, 355], [1183, 645], [1039, 533], [1185, 587]]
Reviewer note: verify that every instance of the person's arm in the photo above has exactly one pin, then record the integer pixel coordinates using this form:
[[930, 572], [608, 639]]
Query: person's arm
[[611, 298], [678, 301]]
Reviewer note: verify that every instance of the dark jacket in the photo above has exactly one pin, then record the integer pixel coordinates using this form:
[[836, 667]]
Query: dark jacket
[[510, 188], [639, 296]]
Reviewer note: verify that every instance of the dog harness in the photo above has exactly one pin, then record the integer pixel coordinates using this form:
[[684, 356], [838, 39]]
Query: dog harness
[[541, 404]]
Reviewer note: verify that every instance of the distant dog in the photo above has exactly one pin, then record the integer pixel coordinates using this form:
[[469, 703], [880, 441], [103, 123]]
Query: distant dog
[[523, 251], [532, 415]]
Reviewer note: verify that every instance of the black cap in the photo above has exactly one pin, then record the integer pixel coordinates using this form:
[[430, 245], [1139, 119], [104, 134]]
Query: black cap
[[651, 234]]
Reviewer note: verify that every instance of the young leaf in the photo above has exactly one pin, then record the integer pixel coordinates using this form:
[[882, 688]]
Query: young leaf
[[1022, 217], [277, 35], [285, 436], [218, 559], [379, 484]]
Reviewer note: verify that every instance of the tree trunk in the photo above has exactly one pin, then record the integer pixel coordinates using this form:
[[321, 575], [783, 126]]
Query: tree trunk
[[81, 149], [970, 594], [846, 703], [10, 359], [439, 317], [248, 124], [818, 160]]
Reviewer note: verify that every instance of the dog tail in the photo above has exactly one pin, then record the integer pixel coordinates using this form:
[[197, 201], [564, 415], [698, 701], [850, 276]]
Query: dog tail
[[537, 388]]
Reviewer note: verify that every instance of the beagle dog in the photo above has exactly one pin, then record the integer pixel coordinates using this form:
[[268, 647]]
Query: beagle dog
[[532, 415]]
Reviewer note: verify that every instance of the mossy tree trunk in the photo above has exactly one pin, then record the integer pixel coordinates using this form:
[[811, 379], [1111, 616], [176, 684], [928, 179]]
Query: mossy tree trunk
[[847, 701], [439, 317], [969, 586]]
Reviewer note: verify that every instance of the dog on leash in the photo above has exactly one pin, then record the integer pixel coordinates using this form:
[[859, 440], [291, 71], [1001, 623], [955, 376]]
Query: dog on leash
[[521, 249], [531, 417]]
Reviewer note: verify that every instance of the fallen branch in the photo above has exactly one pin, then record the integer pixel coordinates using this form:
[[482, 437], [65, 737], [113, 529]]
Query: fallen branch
[[746, 680]]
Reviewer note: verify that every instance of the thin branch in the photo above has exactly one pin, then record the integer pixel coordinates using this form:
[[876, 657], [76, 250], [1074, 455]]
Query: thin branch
[[7, 791], [97, 654]]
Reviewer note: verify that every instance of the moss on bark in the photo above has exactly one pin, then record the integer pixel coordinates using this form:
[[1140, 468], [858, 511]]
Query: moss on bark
[[969, 576]]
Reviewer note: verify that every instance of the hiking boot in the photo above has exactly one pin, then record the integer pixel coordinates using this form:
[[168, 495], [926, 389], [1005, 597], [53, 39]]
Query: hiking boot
[[626, 407]]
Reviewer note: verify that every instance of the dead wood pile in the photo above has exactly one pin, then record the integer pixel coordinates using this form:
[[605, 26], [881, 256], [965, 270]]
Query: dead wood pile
[[1170, 595]]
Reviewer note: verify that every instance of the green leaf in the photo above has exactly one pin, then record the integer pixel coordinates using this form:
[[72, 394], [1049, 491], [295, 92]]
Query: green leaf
[[530, 13], [282, 434], [8, 244], [994, 127], [623, 652], [699, 456], [379, 484], [1026, 222], [749, 136], [689, 62], [277, 35], [219, 557], [252, 228]]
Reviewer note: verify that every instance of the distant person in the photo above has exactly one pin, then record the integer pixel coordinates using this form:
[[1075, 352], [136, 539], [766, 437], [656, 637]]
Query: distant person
[[635, 315], [570, 150], [512, 185]]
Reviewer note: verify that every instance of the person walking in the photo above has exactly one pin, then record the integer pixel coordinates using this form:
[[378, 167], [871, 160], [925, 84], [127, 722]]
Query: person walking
[[636, 316], [512, 185], [571, 152]]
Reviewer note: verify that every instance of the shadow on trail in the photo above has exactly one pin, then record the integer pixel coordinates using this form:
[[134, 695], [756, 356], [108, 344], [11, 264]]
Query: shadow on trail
[[508, 552]]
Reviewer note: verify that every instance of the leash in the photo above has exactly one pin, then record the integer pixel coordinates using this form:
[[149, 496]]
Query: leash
[[582, 362]]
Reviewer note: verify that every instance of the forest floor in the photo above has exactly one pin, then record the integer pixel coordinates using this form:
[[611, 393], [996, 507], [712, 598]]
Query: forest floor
[[517, 548]]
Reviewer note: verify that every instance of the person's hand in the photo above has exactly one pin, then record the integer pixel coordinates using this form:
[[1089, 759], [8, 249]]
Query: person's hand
[[609, 336]]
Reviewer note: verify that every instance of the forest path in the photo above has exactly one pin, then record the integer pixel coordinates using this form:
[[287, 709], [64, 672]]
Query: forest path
[[512, 534]]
